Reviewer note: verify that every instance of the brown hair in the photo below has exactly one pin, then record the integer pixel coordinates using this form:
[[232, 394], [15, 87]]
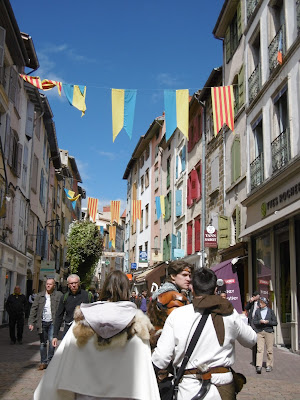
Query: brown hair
[[175, 267], [116, 287]]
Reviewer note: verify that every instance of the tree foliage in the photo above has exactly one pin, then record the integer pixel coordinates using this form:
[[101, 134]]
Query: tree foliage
[[85, 247]]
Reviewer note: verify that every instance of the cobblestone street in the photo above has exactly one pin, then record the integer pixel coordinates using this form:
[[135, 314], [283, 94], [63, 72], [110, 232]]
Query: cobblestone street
[[19, 376]]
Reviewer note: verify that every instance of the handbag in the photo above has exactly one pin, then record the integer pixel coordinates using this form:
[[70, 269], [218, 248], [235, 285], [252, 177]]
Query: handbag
[[168, 388]]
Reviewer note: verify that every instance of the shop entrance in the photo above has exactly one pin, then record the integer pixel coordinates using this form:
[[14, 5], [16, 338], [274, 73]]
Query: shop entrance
[[283, 288]]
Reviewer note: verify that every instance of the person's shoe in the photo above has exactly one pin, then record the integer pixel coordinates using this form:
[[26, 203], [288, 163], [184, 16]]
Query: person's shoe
[[20, 341], [258, 370], [269, 369], [12, 342], [42, 366]]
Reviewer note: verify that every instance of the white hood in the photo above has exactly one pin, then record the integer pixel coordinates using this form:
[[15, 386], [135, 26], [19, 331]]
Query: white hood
[[107, 318]]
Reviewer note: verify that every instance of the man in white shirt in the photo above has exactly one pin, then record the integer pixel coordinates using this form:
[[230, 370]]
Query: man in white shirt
[[214, 352], [42, 314]]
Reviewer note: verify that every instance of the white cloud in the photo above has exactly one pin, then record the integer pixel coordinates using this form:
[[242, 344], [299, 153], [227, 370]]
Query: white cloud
[[108, 154], [166, 79]]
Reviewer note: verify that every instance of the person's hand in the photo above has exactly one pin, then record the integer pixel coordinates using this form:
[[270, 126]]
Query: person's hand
[[31, 327], [54, 342], [262, 321], [266, 321]]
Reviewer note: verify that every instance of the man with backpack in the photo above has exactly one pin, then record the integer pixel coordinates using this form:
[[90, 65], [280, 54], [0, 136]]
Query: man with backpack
[[68, 302]]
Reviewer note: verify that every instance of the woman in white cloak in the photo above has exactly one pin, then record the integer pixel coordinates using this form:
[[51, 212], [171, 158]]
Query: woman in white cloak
[[106, 352]]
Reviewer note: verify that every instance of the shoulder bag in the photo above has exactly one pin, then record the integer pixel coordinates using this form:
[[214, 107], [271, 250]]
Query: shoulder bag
[[168, 388]]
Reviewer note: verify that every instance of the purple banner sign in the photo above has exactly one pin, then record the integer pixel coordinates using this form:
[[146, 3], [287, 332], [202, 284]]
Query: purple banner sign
[[231, 283]]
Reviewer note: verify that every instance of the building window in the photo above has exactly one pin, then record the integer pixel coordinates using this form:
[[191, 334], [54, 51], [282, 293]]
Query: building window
[[25, 167], [147, 178], [197, 234], [15, 153], [142, 161], [156, 176], [147, 215], [142, 184], [190, 238], [34, 178], [233, 33], [147, 152], [38, 123], [142, 221]]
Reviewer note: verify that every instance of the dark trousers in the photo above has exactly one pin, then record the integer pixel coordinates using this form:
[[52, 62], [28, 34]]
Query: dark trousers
[[13, 321]]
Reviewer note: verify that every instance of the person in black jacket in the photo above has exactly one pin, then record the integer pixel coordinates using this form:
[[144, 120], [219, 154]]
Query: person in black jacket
[[264, 321], [251, 307], [68, 302], [16, 306]]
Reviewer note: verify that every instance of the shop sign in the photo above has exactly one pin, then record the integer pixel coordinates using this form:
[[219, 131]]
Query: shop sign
[[287, 196], [47, 269], [133, 265], [143, 257], [210, 239]]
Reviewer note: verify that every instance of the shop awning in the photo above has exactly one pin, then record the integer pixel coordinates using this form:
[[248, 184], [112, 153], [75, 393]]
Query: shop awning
[[277, 216], [231, 283], [151, 275]]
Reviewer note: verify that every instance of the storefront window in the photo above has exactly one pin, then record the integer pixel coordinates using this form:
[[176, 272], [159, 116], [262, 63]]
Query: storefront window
[[262, 262]]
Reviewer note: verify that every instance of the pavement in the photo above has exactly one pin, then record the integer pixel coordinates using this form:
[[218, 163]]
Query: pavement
[[19, 375]]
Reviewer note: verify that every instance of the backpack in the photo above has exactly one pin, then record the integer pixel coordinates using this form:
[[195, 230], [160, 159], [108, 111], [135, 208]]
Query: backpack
[[66, 295]]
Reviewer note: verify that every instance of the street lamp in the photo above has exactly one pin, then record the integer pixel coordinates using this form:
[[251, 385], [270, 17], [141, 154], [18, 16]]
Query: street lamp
[[56, 225]]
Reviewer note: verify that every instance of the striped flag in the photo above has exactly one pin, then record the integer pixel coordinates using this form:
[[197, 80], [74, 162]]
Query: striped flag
[[93, 207], [222, 103], [280, 48], [115, 211], [136, 210], [48, 84], [112, 235], [33, 80]]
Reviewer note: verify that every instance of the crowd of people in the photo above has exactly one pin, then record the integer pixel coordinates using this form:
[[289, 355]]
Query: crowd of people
[[133, 344]]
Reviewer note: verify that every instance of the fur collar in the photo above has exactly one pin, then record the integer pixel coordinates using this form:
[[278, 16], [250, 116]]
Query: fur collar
[[140, 326]]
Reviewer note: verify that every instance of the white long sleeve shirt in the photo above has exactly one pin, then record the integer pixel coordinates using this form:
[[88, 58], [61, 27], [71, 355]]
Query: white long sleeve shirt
[[176, 335]]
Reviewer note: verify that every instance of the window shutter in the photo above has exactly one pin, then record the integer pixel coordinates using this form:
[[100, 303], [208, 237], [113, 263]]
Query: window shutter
[[227, 43], [183, 156], [29, 121], [178, 203], [238, 223], [2, 46], [239, 20], [19, 162], [170, 203], [7, 136], [178, 240], [197, 234], [13, 84], [189, 239], [195, 188], [176, 167], [241, 99], [223, 232], [174, 245], [189, 195], [166, 208], [237, 159], [11, 149]]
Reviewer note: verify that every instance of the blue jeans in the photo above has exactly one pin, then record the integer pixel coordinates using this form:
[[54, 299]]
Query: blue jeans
[[46, 336]]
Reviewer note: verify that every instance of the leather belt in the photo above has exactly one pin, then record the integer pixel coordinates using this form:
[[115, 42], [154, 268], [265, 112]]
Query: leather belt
[[207, 374]]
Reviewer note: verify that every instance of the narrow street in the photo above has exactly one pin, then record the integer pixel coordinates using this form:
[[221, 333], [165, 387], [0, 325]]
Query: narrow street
[[19, 376]]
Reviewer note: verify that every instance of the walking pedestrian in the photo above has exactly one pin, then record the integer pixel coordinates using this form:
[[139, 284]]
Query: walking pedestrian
[[72, 298], [42, 316], [16, 306], [264, 321], [251, 307], [208, 371], [106, 353], [143, 301]]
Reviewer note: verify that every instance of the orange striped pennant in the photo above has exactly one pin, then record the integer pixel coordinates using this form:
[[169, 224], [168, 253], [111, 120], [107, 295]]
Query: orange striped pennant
[[34, 80], [222, 102], [112, 235], [93, 207], [136, 210], [48, 84], [115, 211]]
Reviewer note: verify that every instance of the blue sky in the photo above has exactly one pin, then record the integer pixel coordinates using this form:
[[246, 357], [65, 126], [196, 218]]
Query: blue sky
[[148, 46]]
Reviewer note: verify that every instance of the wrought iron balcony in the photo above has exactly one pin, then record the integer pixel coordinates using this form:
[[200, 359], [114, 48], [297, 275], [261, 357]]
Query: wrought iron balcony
[[281, 152], [273, 48], [251, 5], [257, 171], [254, 83]]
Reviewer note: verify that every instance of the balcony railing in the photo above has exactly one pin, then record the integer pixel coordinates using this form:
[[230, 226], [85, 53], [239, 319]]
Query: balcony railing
[[281, 153], [251, 5], [298, 15], [254, 83], [273, 48], [257, 171]]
